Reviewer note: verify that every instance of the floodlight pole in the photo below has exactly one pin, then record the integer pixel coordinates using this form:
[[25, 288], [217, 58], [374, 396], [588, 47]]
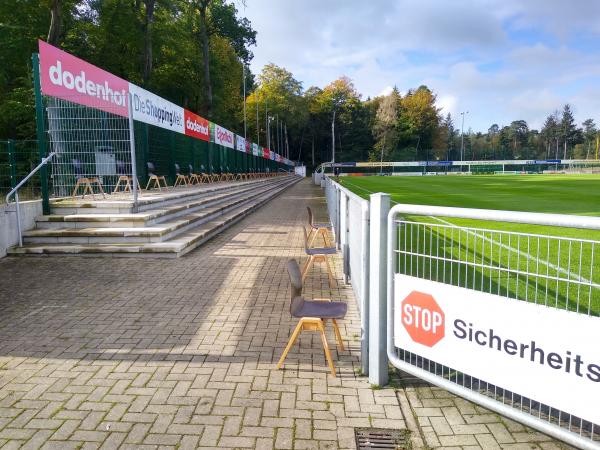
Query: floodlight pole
[[244, 82], [333, 137], [462, 136]]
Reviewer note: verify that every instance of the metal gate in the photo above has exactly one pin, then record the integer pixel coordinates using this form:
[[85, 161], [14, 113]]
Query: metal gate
[[445, 252]]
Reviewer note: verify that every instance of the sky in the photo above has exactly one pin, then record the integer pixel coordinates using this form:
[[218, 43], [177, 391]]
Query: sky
[[500, 60]]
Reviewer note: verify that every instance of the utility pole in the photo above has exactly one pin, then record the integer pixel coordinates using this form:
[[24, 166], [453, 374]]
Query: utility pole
[[267, 122], [462, 135], [257, 126]]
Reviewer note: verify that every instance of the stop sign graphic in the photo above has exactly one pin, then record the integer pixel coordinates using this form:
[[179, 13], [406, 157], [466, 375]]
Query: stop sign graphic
[[423, 318]]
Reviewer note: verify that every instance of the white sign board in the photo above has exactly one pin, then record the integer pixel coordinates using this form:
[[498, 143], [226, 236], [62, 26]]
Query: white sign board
[[240, 144], [154, 110], [224, 137], [549, 355]]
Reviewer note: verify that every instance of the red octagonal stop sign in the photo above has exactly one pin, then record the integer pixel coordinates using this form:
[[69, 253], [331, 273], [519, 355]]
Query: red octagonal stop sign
[[423, 318]]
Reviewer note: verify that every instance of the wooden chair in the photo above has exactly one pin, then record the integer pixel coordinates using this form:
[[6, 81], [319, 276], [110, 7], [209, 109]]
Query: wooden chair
[[204, 177], [313, 315], [82, 179], [214, 176], [125, 179], [156, 178], [193, 177], [181, 179], [316, 228], [317, 254]]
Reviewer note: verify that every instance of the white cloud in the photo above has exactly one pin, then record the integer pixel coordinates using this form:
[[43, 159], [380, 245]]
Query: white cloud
[[500, 59]]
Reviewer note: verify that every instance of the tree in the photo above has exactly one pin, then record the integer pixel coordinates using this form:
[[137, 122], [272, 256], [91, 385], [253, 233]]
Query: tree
[[550, 134], [218, 17], [148, 18], [419, 112], [384, 127], [54, 32], [589, 134], [492, 136], [568, 128], [518, 135]]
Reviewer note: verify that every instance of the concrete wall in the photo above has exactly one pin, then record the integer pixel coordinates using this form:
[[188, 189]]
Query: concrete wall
[[8, 222]]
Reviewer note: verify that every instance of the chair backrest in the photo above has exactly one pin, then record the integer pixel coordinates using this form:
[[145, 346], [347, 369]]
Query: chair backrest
[[121, 169], [191, 169], [296, 300], [151, 168], [77, 168], [202, 168], [310, 216], [177, 169]]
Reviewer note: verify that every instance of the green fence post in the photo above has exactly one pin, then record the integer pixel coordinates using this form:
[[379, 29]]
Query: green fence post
[[40, 131], [12, 163], [171, 170], [145, 151]]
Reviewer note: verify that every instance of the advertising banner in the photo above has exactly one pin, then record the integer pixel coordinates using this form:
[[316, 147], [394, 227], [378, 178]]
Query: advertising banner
[[196, 126], [224, 137], [65, 76], [547, 354], [154, 110], [240, 143]]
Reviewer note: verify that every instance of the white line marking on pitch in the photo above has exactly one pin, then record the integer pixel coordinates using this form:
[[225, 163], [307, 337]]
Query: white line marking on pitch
[[520, 252], [506, 247]]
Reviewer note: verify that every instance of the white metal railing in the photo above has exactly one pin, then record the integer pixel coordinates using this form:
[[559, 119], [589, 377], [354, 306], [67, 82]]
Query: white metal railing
[[15, 192], [551, 272], [349, 215]]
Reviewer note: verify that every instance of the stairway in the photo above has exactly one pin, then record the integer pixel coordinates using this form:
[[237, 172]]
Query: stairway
[[166, 224]]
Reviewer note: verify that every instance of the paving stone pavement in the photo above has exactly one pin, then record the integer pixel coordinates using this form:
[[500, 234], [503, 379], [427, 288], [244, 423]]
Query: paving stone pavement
[[143, 353]]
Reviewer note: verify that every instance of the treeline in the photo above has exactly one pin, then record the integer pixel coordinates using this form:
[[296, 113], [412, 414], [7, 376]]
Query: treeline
[[191, 52], [196, 53]]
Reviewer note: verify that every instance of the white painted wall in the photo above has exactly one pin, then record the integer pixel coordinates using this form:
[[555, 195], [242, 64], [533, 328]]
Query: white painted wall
[[8, 222]]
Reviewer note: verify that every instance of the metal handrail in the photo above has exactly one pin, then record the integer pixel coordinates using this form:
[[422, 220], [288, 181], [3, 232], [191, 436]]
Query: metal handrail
[[15, 192]]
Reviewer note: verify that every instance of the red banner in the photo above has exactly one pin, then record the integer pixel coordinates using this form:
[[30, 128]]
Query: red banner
[[196, 126], [266, 153]]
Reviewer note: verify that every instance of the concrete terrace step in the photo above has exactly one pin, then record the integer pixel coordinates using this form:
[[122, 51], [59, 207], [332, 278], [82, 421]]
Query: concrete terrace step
[[177, 246], [155, 233], [161, 213], [122, 204]]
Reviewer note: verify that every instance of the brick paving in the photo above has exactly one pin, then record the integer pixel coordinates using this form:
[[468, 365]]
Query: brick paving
[[121, 353]]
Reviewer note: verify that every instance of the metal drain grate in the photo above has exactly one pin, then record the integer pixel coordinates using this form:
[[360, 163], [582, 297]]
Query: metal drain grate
[[371, 438]]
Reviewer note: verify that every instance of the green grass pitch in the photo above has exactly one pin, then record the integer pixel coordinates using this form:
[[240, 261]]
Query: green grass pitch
[[559, 267]]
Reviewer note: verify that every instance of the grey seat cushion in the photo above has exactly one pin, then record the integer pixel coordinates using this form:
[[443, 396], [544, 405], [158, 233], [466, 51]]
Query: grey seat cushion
[[321, 251], [322, 225], [322, 309]]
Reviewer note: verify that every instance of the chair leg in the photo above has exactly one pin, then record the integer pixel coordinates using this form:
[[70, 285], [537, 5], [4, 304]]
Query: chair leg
[[117, 186], [309, 263], [100, 187], [323, 233], [148, 184], [290, 344], [75, 189], [311, 237], [326, 349], [338, 335], [330, 272]]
